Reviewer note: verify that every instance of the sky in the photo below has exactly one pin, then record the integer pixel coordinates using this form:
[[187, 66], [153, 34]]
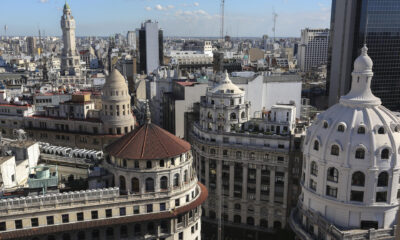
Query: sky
[[201, 18]]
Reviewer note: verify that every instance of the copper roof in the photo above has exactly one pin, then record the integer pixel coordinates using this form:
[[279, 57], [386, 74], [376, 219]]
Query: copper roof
[[149, 141], [106, 222]]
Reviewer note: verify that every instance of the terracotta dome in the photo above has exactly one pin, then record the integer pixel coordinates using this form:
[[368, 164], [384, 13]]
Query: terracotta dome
[[148, 142]]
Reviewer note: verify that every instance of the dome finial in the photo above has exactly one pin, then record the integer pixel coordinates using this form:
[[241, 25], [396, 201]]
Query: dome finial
[[364, 50]]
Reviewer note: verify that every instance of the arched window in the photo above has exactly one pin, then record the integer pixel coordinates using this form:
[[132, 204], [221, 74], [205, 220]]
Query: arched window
[[233, 116], [237, 206], [326, 124], [358, 179], [135, 185], [243, 115], [314, 169], [149, 185], [161, 163], [122, 184], [316, 145], [164, 183], [237, 219], [383, 179], [361, 130], [209, 115], [123, 231], [333, 174], [150, 227], [381, 130], [137, 229], [250, 221], [341, 128], [148, 164], [176, 180], [263, 223], [335, 150], [185, 176], [385, 153], [360, 153]]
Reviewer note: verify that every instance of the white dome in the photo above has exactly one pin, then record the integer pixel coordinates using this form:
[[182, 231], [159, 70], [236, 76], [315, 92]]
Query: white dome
[[226, 86], [351, 158], [363, 62]]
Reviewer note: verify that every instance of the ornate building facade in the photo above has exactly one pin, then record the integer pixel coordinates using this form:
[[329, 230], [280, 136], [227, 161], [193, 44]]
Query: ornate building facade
[[244, 164], [350, 179]]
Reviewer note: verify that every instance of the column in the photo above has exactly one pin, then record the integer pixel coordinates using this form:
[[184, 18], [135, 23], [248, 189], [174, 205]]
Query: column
[[231, 179], [207, 163], [244, 181], [258, 183], [271, 186], [285, 190], [219, 196]]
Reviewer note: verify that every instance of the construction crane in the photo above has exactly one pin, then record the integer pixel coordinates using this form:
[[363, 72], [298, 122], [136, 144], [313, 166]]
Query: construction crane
[[274, 16], [222, 20]]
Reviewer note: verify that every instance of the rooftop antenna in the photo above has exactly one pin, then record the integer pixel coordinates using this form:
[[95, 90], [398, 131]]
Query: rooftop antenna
[[222, 19], [366, 28], [274, 16], [5, 30]]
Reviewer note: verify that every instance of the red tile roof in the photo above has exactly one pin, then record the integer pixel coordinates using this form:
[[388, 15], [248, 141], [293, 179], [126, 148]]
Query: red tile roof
[[149, 141], [186, 83]]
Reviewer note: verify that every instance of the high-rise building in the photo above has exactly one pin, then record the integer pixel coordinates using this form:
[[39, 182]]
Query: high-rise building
[[150, 47], [131, 39], [70, 61], [313, 48], [31, 45], [375, 22], [350, 181]]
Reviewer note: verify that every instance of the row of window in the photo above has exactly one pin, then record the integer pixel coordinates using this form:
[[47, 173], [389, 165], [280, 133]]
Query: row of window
[[360, 152], [360, 129]]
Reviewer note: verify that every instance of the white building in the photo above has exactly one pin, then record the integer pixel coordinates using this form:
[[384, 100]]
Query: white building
[[350, 180], [131, 37], [313, 48]]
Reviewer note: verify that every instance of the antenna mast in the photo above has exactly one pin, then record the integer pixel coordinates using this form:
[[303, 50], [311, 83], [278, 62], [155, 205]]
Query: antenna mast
[[222, 19], [274, 16]]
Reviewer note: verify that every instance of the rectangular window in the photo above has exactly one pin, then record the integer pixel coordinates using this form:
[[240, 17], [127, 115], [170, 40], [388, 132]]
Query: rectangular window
[[95, 215], [50, 220], [149, 208], [122, 211], [357, 196], [181, 236], [381, 196], [162, 207], [192, 229], [65, 218], [3, 226], [187, 198], [79, 216], [136, 210], [177, 202], [18, 224], [331, 191], [34, 222], [313, 185], [108, 213]]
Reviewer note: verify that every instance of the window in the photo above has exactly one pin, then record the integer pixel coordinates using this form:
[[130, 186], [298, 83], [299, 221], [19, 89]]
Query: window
[[137, 229], [161, 163], [164, 183], [149, 208], [79, 216], [381, 130], [177, 202], [357, 196], [34, 222], [238, 155], [335, 150], [314, 169], [325, 124], [383, 179], [180, 236], [316, 145], [110, 232], [331, 191], [135, 185], [341, 128], [333, 174], [136, 210], [381, 196], [361, 130], [65, 218], [148, 164], [360, 153], [385, 154], [313, 184], [149, 185], [95, 215], [358, 179], [108, 213], [2, 226], [50, 220], [122, 211], [162, 207], [124, 231], [136, 164], [18, 224], [176, 180]]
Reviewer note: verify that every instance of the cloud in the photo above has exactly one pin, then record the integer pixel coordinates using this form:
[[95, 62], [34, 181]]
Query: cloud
[[196, 4], [170, 6], [148, 8], [163, 8], [43, 1]]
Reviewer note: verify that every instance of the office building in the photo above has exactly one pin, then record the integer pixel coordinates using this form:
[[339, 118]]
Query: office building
[[375, 22], [31, 45], [131, 39], [313, 48], [150, 47], [350, 179]]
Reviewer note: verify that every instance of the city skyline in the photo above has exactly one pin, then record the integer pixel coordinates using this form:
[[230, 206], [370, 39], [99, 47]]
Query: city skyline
[[184, 18]]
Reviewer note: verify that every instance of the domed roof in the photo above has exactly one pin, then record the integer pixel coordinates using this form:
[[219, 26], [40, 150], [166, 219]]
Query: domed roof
[[115, 80], [148, 142], [363, 63], [226, 86]]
